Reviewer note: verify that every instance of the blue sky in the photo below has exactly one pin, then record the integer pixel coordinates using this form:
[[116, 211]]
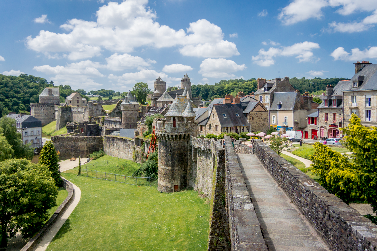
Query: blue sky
[[94, 44]]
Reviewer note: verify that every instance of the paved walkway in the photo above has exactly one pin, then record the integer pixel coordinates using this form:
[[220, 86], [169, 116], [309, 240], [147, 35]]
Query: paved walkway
[[305, 161], [283, 226]]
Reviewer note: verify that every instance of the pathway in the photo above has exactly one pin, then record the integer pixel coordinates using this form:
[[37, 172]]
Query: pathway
[[283, 225], [306, 162], [48, 237]]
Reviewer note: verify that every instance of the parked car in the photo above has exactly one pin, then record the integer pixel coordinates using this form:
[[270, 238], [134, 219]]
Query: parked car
[[331, 141], [294, 136]]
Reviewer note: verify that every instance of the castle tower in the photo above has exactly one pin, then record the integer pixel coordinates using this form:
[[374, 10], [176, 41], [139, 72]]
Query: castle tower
[[129, 111], [186, 84], [174, 133], [159, 86]]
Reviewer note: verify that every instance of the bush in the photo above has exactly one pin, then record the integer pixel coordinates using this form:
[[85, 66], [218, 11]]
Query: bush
[[221, 136], [149, 168], [96, 155], [211, 136], [244, 135], [233, 135], [270, 130]]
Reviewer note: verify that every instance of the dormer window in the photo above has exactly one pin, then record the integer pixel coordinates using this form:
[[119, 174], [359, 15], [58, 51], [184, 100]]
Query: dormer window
[[355, 84], [280, 105], [326, 102], [237, 115], [224, 115], [360, 80]]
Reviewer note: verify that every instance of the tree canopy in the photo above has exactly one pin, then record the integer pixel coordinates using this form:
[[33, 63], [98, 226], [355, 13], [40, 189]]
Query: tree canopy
[[140, 91], [27, 191], [49, 157]]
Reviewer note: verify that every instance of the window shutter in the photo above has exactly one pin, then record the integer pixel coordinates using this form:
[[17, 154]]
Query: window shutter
[[309, 120]]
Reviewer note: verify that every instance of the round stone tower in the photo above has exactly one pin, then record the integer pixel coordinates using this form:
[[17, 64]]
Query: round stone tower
[[174, 133], [186, 84], [159, 86]]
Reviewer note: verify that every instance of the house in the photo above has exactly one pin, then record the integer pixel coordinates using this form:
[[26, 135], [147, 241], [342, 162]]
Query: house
[[225, 118], [257, 116], [30, 129], [289, 110], [76, 100], [312, 128], [360, 97], [267, 88]]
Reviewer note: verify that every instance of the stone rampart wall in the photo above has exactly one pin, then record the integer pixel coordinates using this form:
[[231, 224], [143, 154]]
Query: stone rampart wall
[[342, 227], [119, 147], [43, 112], [75, 146], [245, 230]]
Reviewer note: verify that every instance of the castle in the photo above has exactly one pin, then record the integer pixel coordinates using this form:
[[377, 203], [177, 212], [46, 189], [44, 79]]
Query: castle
[[46, 108]]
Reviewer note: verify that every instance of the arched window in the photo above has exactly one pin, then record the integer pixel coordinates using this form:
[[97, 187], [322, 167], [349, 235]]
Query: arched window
[[173, 122]]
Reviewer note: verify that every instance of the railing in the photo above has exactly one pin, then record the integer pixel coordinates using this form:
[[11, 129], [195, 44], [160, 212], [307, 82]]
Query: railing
[[131, 180]]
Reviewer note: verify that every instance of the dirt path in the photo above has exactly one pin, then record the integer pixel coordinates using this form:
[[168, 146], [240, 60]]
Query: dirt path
[[306, 162]]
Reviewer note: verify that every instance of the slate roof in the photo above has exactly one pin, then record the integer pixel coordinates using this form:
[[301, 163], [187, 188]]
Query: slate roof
[[129, 133], [250, 106], [55, 91], [215, 101], [26, 121], [370, 79], [175, 92], [247, 99], [204, 122], [287, 99], [230, 115], [165, 97], [200, 111], [188, 112], [313, 115]]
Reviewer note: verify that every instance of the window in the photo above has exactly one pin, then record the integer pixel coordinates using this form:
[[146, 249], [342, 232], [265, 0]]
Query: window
[[267, 99], [261, 98], [224, 115], [26, 133], [355, 111], [355, 84], [209, 127], [37, 132], [213, 115], [325, 102], [326, 117], [285, 120], [31, 133], [334, 117], [368, 115], [173, 122], [334, 103], [273, 119], [368, 100], [201, 128], [354, 100], [216, 128], [280, 105], [237, 115]]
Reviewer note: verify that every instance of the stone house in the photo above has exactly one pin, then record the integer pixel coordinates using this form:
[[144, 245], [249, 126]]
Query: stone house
[[360, 97], [267, 88], [45, 110], [74, 99], [257, 116], [312, 130], [30, 129], [289, 110], [225, 118]]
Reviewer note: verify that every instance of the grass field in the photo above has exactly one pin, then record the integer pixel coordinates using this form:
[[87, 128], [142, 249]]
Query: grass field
[[109, 108], [49, 130], [62, 194], [117, 216], [306, 151], [293, 161]]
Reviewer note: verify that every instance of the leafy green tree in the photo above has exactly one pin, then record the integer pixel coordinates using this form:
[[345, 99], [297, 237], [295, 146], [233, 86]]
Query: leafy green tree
[[149, 168], [271, 130], [149, 122], [140, 91], [8, 126], [49, 157], [6, 151], [317, 100], [278, 143], [27, 191]]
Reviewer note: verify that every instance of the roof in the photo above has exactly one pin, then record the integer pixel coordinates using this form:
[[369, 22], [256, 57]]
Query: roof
[[72, 95], [313, 115], [188, 112], [200, 111], [175, 92], [250, 106], [230, 115], [341, 86], [287, 99], [27, 121], [55, 91], [215, 101], [129, 133], [165, 97], [369, 72], [247, 98], [204, 122], [177, 107]]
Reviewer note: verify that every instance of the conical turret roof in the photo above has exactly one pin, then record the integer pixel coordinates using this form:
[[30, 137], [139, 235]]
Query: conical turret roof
[[188, 112], [174, 110], [165, 97]]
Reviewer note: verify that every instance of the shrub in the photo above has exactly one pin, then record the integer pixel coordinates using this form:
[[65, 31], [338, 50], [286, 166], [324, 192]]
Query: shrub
[[233, 135], [211, 136], [221, 136], [96, 155], [149, 168], [244, 135]]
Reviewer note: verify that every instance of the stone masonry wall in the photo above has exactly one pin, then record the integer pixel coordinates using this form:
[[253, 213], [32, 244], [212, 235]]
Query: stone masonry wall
[[342, 227], [119, 147], [258, 121], [43, 112], [64, 116], [75, 146]]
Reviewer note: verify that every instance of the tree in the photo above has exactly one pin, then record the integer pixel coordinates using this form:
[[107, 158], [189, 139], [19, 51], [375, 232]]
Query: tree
[[49, 158], [27, 191], [317, 100], [140, 91], [13, 137], [278, 143], [6, 151]]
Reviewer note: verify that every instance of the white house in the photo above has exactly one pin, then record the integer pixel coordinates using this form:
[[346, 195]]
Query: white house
[[30, 129]]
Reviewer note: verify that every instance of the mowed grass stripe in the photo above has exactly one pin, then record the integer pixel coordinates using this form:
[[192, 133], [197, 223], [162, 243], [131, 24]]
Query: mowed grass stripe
[[116, 216]]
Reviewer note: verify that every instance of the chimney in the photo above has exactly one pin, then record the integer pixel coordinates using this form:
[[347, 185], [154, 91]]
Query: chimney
[[237, 100], [228, 99], [360, 65], [329, 90], [261, 83]]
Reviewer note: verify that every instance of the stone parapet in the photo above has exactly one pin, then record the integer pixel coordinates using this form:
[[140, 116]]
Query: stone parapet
[[341, 226]]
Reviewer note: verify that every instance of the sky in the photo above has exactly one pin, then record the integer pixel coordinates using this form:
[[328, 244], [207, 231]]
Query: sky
[[95, 44]]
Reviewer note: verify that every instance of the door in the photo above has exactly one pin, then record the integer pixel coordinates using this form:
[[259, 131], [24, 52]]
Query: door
[[305, 134]]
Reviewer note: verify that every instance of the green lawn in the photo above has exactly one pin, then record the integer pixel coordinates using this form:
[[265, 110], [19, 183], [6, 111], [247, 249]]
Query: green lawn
[[109, 108], [306, 151], [49, 129], [117, 216], [62, 194], [293, 161], [112, 165]]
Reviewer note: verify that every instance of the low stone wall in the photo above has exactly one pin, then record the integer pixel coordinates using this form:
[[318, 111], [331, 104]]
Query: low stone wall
[[75, 146], [341, 227], [33, 242], [245, 230], [242, 148], [119, 147]]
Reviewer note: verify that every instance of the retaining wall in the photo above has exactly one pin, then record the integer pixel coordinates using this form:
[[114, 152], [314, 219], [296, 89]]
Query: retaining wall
[[75, 146], [119, 147], [341, 226]]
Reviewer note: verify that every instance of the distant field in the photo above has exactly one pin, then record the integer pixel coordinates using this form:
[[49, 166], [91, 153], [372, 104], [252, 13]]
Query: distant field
[[117, 216], [109, 108]]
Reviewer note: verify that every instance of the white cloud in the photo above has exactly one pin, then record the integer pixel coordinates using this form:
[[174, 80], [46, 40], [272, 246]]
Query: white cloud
[[316, 73], [355, 26], [123, 27], [302, 51], [355, 55], [264, 43], [302, 10], [233, 35], [173, 68], [1, 58], [263, 13], [12, 73], [219, 68], [121, 62], [41, 20]]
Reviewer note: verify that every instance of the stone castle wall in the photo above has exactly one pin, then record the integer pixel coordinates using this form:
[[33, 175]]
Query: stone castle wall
[[339, 225], [75, 146], [43, 112], [64, 115], [119, 147]]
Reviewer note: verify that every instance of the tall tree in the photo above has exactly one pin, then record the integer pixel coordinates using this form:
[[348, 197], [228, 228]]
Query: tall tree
[[49, 157], [27, 191], [140, 91], [6, 151]]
